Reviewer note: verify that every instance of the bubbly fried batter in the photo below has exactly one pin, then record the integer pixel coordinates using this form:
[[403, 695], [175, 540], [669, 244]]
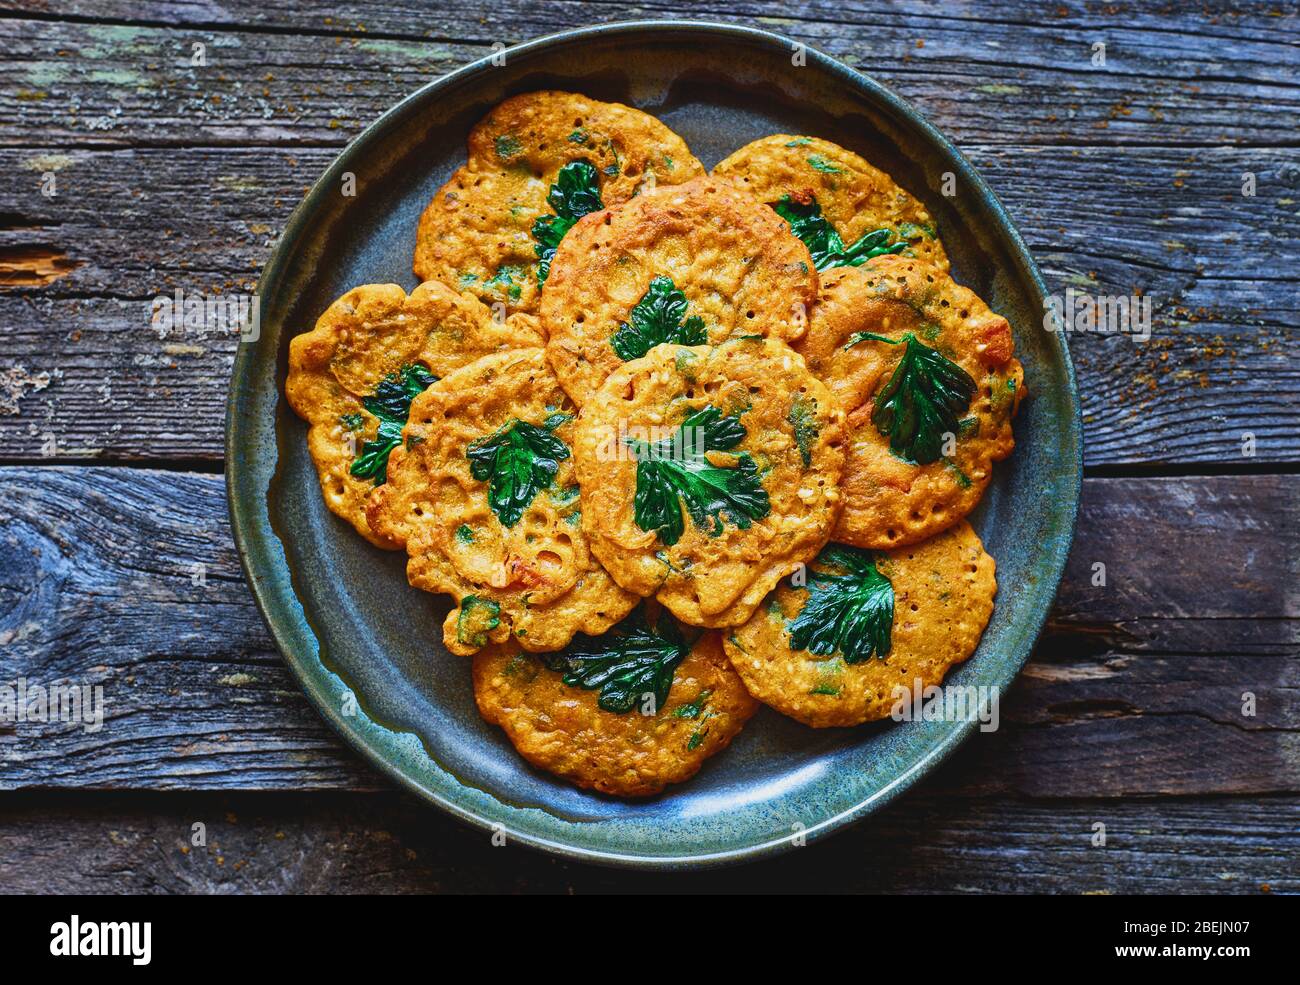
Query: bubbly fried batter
[[943, 597], [563, 730], [534, 579], [890, 502], [854, 196], [737, 264], [717, 573], [367, 334], [476, 233]]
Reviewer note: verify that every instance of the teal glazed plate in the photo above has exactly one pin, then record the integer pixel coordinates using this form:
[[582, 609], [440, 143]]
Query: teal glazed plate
[[367, 648]]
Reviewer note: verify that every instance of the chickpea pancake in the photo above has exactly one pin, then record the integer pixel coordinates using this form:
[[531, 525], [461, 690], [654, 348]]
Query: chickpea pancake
[[548, 156], [692, 264], [709, 473], [562, 728], [483, 494], [813, 182], [926, 374], [351, 378], [834, 652]]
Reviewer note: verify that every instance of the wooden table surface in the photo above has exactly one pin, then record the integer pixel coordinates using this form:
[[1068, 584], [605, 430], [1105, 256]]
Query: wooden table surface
[[1123, 178]]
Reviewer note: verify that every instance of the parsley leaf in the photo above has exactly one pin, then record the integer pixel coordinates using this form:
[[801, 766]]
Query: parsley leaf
[[477, 618], [660, 316], [824, 243], [922, 402], [674, 471], [391, 403], [701, 732], [517, 461], [694, 708], [575, 193], [630, 661], [507, 146], [504, 281], [803, 418], [857, 337], [820, 163], [850, 607]]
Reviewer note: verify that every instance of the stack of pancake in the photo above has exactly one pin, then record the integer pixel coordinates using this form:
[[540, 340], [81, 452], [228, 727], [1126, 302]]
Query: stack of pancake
[[674, 442]]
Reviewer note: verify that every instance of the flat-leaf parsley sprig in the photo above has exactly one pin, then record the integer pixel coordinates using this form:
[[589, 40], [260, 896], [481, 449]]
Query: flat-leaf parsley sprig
[[628, 663], [825, 244], [517, 461], [850, 607], [391, 404], [660, 316], [922, 401], [676, 472], [576, 192]]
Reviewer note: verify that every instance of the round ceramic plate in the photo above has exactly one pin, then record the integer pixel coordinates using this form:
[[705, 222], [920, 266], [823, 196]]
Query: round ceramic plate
[[366, 647]]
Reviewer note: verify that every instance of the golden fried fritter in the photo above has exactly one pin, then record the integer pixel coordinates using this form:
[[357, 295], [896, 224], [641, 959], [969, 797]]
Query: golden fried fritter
[[696, 263], [942, 598], [889, 501], [483, 494], [563, 729], [370, 333], [741, 451], [476, 233], [855, 197]]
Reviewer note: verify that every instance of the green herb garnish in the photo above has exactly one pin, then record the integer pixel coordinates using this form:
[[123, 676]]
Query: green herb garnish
[[391, 403], [630, 661], [803, 418], [575, 193], [674, 471], [958, 476], [857, 337], [477, 618], [693, 709], [517, 460], [922, 402], [564, 497], [465, 534], [850, 607], [820, 163], [910, 231], [505, 280], [824, 243], [700, 734], [507, 146], [353, 422], [660, 316]]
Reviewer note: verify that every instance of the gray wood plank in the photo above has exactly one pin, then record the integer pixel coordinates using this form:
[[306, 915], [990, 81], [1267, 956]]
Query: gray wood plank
[[1136, 689], [926, 843], [1215, 75]]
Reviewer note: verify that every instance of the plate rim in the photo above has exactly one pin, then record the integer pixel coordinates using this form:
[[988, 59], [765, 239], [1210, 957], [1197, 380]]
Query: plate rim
[[250, 521]]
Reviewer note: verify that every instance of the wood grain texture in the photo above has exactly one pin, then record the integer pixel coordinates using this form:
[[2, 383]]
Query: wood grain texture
[[1135, 690], [1123, 178], [1213, 75], [102, 102], [926, 843]]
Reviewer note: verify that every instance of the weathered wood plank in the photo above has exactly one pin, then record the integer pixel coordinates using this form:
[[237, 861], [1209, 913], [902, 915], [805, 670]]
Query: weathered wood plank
[[1216, 75], [388, 844], [1137, 689], [83, 363]]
